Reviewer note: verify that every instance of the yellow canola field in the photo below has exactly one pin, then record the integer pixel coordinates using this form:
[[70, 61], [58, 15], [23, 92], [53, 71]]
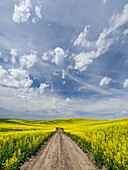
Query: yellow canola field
[[106, 139], [108, 142], [19, 140]]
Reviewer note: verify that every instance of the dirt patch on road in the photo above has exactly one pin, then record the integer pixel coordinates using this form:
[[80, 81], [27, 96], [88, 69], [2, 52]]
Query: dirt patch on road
[[60, 153]]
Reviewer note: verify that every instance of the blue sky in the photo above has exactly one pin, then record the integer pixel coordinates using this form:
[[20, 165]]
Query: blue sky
[[63, 59]]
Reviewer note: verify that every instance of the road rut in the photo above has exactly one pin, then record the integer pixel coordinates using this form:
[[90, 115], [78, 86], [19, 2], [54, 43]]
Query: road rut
[[61, 153]]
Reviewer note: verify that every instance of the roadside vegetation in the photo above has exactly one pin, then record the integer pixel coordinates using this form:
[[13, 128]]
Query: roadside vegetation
[[107, 140], [19, 139]]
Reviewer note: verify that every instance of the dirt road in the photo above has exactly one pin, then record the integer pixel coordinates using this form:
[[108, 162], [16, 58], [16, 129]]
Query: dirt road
[[61, 153]]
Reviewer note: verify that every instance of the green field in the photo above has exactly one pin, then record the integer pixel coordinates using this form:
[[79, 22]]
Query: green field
[[106, 139]]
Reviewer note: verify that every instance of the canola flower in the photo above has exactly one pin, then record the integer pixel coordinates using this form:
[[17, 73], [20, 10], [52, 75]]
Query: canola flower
[[106, 139], [16, 148], [108, 143]]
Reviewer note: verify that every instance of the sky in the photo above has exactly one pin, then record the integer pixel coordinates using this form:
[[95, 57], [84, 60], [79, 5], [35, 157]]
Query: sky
[[62, 59]]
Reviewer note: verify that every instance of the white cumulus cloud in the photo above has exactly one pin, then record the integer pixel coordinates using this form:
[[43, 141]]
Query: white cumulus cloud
[[27, 61], [58, 56], [55, 73], [45, 57], [15, 78], [13, 53], [125, 84], [42, 87], [38, 11], [55, 56], [82, 38], [83, 59], [22, 11], [63, 74], [64, 82], [68, 100], [34, 20], [105, 81], [102, 44]]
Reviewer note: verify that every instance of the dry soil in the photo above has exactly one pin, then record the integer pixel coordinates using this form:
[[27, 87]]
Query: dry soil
[[60, 153]]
